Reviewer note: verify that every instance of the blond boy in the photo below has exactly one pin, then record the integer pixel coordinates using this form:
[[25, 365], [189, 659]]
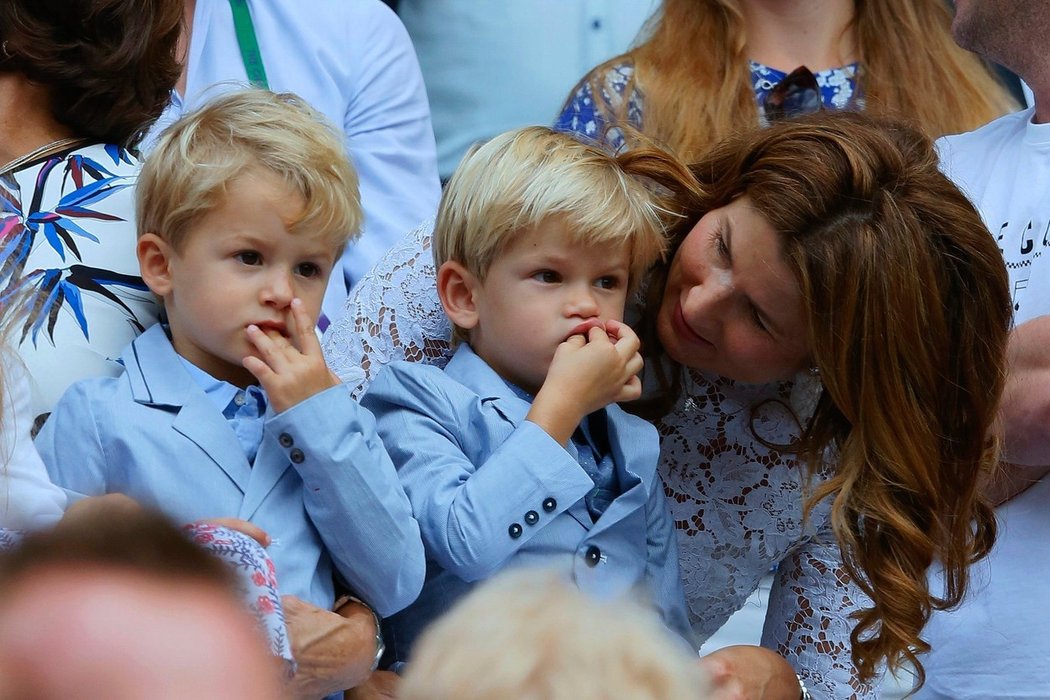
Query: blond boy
[[516, 453], [226, 408]]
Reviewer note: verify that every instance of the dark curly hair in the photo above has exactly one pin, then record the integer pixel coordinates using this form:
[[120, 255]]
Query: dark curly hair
[[110, 64]]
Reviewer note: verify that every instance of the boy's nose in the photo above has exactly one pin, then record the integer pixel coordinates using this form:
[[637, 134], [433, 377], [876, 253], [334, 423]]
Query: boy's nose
[[582, 302], [278, 291]]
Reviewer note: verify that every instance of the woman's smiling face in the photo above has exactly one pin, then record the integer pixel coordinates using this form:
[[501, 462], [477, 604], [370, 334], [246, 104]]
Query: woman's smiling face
[[731, 304]]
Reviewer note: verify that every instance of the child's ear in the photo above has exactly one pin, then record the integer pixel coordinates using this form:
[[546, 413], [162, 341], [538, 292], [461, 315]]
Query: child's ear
[[457, 289], [155, 255]]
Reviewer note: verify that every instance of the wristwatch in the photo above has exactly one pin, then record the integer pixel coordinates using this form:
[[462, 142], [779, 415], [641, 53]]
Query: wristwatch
[[380, 645]]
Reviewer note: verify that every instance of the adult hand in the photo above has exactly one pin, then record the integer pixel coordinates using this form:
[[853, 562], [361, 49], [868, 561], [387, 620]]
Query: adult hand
[[290, 369], [332, 651], [381, 685], [746, 672]]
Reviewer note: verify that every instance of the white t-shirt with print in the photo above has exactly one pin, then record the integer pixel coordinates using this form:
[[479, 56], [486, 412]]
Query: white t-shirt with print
[[995, 644]]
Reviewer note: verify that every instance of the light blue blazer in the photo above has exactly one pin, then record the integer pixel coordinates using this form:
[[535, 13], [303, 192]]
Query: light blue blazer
[[322, 485], [491, 490]]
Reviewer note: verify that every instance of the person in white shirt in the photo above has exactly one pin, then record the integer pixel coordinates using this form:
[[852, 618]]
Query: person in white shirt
[[995, 643], [354, 63], [494, 66], [28, 499]]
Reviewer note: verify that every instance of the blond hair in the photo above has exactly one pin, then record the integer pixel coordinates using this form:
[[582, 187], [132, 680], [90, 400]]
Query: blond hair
[[907, 313], [693, 75], [536, 637], [524, 177], [196, 158]]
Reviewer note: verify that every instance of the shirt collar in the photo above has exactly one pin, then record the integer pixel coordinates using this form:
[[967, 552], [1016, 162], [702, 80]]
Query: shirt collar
[[218, 392]]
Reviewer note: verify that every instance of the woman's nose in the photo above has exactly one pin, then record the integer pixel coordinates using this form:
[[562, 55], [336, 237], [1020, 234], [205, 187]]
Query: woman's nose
[[708, 301]]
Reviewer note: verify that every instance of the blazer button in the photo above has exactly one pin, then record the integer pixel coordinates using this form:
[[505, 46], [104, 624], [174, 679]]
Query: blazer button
[[593, 556], [532, 517], [514, 531], [297, 456], [286, 440], [549, 504]]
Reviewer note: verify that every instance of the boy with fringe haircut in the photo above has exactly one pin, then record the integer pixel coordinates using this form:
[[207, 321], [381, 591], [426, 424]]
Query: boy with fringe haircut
[[226, 408], [516, 455]]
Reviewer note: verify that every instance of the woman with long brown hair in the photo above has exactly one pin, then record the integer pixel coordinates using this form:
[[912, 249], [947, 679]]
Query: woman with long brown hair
[[827, 263], [707, 68]]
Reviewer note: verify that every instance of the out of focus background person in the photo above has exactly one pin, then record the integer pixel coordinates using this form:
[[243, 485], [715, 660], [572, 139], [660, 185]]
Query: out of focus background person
[[494, 66], [80, 81], [704, 68], [995, 644]]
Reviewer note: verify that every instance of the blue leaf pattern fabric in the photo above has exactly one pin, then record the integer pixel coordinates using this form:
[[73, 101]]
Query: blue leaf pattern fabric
[[67, 256]]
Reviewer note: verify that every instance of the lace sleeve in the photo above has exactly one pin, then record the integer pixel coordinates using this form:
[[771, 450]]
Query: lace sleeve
[[392, 314], [808, 620], [591, 117]]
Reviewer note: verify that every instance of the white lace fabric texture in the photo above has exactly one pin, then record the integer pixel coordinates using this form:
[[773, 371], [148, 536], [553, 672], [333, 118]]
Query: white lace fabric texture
[[737, 503]]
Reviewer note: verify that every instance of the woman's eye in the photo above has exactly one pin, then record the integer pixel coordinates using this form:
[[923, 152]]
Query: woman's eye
[[547, 276], [308, 269], [756, 317], [720, 244], [248, 257]]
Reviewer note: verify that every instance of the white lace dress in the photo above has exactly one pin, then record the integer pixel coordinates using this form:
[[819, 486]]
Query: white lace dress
[[737, 504]]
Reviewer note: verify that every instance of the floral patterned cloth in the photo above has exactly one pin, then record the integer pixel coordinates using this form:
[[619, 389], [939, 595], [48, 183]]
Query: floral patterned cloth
[[584, 116], [67, 239], [256, 576]]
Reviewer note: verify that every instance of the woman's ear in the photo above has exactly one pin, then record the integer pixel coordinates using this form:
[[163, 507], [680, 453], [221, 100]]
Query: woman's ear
[[458, 290], [155, 255]]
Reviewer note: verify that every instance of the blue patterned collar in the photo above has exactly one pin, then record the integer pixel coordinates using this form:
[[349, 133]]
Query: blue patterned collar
[[838, 86]]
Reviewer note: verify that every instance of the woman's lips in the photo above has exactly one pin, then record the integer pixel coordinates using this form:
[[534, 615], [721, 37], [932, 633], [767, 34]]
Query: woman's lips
[[684, 330]]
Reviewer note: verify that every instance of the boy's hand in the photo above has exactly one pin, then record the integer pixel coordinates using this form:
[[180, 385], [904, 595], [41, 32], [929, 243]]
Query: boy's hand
[[588, 374], [290, 369]]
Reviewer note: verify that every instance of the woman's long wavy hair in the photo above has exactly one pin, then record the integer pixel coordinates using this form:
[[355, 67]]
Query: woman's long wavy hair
[[110, 65], [907, 311], [692, 72]]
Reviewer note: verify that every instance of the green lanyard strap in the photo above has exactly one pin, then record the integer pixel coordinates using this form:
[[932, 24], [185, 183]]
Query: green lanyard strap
[[248, 43]]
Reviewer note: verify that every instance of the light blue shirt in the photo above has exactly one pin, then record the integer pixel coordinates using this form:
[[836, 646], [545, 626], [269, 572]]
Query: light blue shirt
[[245, 409], [494, 66]]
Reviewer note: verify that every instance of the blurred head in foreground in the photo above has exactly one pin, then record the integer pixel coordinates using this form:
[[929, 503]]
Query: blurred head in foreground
[[122, 608], [533, 636]]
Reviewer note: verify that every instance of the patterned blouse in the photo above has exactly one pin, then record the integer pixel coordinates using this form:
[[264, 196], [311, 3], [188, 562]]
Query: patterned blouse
[[67, 239], [838, 90]]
